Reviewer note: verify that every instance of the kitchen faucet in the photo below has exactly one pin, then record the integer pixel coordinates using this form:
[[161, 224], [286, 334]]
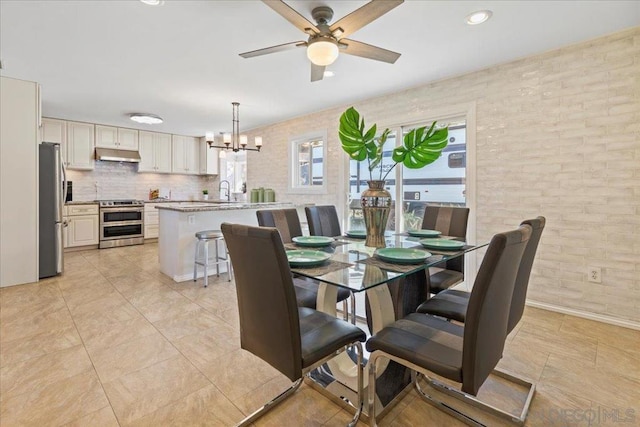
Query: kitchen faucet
[[228, 189]]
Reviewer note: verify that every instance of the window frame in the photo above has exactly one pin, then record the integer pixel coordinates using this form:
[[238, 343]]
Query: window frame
[[294, 164]]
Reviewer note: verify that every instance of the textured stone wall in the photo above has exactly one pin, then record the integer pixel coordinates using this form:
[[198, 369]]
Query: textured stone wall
[[557, 134]]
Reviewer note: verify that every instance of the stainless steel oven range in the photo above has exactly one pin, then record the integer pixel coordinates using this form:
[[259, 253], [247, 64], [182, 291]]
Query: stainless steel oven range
[[121, 223]]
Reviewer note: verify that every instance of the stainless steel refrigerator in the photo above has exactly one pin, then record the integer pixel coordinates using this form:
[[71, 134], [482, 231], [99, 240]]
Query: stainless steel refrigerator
[[52, 179]]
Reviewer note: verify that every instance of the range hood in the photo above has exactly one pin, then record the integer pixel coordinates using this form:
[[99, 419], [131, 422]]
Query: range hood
[[114, 155]]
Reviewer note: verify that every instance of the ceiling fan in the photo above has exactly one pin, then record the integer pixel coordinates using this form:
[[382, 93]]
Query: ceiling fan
[[327, 41]]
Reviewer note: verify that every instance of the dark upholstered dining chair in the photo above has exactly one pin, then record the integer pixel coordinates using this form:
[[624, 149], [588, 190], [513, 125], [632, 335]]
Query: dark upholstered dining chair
[[465, 354], [288, 224], [294, 340], [452, 304], [323, 221], [450, 221]]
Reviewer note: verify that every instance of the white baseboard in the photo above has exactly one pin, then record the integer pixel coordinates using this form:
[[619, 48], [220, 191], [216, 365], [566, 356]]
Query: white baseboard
[[586, 315]]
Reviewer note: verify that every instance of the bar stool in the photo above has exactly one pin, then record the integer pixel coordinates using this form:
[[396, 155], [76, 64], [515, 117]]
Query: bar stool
[[204, 238]]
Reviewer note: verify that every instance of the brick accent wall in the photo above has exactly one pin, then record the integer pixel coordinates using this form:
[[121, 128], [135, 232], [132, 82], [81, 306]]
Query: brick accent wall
[[557, 134]]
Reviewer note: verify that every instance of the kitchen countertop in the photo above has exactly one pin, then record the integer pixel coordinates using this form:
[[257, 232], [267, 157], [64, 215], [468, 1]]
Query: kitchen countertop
[[204, 206]]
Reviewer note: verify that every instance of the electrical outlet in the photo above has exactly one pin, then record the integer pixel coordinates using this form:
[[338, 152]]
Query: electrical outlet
[[594, 274], [191, 219]]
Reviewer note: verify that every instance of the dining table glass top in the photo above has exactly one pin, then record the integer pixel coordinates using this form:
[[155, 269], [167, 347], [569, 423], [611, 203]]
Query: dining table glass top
[[357, 267]]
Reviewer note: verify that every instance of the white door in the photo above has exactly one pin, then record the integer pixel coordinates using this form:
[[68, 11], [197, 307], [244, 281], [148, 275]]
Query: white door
[[162, 143], [106, 136], [147, 152]]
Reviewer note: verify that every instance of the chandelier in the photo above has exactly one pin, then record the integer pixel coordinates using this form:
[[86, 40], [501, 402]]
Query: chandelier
[[234, 141]]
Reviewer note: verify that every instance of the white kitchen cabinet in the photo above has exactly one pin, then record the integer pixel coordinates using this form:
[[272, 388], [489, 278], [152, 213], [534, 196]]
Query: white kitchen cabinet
[[155, 152], [83, 225], [83, 230], [54, 130], [80, 146], [185, 154], [113, 137], [151, 221], [209, 159]]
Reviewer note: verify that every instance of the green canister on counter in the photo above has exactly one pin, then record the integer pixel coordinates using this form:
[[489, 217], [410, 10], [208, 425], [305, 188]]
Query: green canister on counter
[[261, 195], [254, 195], [269, 195]]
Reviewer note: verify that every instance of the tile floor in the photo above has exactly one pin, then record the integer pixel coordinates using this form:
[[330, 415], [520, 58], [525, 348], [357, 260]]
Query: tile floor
[[115, 342]]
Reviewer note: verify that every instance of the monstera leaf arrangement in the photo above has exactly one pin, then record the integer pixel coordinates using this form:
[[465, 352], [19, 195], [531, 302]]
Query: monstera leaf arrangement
[[420, 147]]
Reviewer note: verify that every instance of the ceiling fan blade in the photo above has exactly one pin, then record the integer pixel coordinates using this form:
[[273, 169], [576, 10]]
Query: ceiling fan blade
[[362, 16], [273, 49], [368, 51], [292, 16], [317, 72]]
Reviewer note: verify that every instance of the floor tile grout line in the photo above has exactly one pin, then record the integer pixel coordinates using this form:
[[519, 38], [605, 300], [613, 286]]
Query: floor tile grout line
[[95, 371]]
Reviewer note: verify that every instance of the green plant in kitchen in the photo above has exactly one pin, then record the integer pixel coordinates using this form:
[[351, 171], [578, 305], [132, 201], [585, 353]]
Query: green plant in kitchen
[[420, 146], [205, 192]]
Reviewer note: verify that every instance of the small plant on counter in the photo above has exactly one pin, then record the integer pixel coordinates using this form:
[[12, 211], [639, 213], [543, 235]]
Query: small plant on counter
[[205, 192]]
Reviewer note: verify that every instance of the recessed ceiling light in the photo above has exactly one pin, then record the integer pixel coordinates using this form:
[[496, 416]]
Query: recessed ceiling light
[[147, 119], [153, 2], [329, 73], [478, 17]]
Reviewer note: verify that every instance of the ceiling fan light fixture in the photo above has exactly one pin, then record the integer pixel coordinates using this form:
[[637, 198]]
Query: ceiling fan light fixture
[[322, 52], [478, 17], [147, 119]]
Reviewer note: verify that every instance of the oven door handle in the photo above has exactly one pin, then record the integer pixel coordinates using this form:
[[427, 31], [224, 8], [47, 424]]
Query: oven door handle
[[121, 223], [107, 210]]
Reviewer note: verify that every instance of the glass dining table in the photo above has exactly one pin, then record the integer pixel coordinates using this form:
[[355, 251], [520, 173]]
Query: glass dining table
[[395, 283]]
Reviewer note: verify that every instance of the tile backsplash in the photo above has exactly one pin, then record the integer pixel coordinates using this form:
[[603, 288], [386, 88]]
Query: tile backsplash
[[114, 180]]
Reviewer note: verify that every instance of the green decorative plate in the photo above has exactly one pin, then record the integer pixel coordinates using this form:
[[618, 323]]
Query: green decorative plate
[[442, 244], [357, 234], [306, 258], [313, 240], [423, 233], [402, 255]]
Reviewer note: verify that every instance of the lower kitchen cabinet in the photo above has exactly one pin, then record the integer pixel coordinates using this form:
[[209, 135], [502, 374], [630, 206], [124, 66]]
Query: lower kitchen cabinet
[[150, 221], [83, 230], [83, 226]]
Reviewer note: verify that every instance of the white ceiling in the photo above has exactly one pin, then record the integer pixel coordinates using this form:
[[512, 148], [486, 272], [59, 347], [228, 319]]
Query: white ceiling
[[97, 61]]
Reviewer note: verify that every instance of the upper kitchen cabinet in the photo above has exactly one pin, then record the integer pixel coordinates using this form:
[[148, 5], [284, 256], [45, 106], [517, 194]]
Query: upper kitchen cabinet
[[54, 131], [185, 154], [80, 146], [120, 138], [155, 152], [208, 159]]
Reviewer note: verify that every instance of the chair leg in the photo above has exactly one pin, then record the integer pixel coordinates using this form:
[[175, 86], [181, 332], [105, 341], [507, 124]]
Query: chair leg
[[467, 398], [215, 242], [472, 400], [270, 405], [345, 310], [354, 421], [206, 263], [353, 308], [195, 260]]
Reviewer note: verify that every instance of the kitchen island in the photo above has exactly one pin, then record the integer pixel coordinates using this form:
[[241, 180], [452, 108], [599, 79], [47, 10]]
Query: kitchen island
[[178, 223]]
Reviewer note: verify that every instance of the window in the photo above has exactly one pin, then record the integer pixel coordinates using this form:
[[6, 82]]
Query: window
[[306, 163], [443, 182]]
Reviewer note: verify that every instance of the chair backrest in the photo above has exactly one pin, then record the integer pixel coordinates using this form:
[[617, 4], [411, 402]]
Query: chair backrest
[[285, 220], [269, 322], [485, 326], [524, 272], [323, 221], [450, 221]]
